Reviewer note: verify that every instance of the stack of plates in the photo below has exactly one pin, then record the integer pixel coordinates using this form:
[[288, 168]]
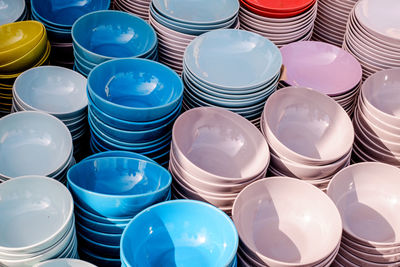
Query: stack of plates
[[58, 18], [372, 35], [64, 262], [318, 65], [234, 69], [273, 217], [13, 10], [310, 136], [105, 35], [34, 143], [377, 120], [366, 194], [58, 91], [38, 221], [331, 21], [104, 209], [23, 45], [133, 104], [282, 22], [215, 153], [178, 22], [139, 8]]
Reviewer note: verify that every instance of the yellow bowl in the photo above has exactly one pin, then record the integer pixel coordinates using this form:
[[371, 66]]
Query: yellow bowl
[[18, 38], [28, 60]]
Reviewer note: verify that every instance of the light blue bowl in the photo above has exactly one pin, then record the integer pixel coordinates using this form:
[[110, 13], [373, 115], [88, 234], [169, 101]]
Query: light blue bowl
[[63, 14], [108, 228], [82, 67], [198, 12], [84, 62], [11, 11], [100, 219], [77, 69], [136, 184], [99, 237], [105, 35], [233, 59], [135, 89], [119, 153], [98, 248], [182, 233], [130, 135], [98, 260], [129, 125]]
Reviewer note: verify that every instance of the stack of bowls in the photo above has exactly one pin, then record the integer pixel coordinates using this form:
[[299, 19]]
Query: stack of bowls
[[104, 35], [23, 45], [273, 217], [34, 143], [325, 68], [372, 35], [108, 192], [367, 194], [58, 17], [58, 91], [178, 22], [37, 221], [12, 11], [64, 262], [331, 21], [215, 153], [282, 22], [377, 119], [139, 8], [234, 69], [180, 233], [310, 136], [133, 104]]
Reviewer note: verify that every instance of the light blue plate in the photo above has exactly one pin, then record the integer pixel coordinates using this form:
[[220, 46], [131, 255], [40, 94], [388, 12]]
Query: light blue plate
[[11, 10], [231, 58]]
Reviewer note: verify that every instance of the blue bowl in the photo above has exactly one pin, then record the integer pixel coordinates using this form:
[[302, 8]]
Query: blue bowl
[[118, 186], [108, 228], [99, 237], [135, 89], [98, 248], [129, 125], [83, 61], [180, 233], [98, 260], [130, 135], [82, 67], [119, 153], [104, 35], [100, 219], [63, 14]]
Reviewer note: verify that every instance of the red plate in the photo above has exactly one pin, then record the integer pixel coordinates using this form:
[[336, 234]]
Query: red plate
[[282, 6], [270, 14]]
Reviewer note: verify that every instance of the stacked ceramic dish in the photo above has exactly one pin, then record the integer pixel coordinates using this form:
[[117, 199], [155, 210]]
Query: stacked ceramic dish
[[178, 22], [139, 8], [310, 136], [34, 143], [325, 68], [38, 221], [273, 217], [282, 22], [57, 91], [24, 45], [331, 21], [230, 68], [377, 120], [104, 35], [366, 194], [12, 11], [372, 35], [64, 262], [173, 239], [106, 202], [58, 18], [133, 104], [215, 153]]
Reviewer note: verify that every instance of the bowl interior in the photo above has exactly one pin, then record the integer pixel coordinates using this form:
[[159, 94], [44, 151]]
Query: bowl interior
[[273, 217], [33, 143], [220, 142], [366, 196], [306, 122], [33, 209], [129, 176], [180, 233], [52, 89], [114, 34], [135, 83]]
